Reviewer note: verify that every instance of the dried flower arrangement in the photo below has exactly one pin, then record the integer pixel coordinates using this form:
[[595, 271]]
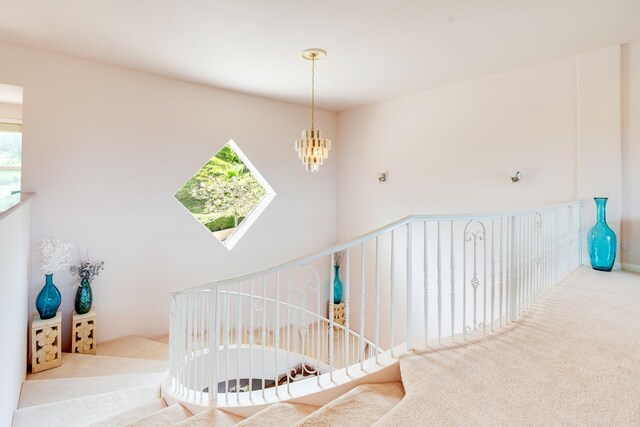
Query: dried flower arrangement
[[87, 270], [337, 258], [56, 255]]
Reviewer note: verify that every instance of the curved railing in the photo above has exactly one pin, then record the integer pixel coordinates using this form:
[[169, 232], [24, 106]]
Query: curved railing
[[417, 283]]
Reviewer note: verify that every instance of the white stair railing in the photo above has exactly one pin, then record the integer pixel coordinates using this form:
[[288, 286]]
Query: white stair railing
[[420, 283]]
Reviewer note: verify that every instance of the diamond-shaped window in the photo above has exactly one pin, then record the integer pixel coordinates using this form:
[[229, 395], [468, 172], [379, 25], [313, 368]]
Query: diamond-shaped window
[[227, 194]]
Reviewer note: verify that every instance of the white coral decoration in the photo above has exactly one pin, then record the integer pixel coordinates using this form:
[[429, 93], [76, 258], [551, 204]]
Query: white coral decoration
[[56, 255]]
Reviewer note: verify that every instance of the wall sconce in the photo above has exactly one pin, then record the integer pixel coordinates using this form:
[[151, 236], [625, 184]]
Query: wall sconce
[[516, 178], [382, 178]]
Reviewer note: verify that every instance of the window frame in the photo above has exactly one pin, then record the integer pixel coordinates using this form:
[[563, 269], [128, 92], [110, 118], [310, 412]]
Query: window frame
[[256, 212], [12, 126]]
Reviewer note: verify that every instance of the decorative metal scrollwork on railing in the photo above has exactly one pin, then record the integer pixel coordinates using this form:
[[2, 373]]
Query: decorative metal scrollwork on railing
[[537, 249], [474, 232], [298, 293]]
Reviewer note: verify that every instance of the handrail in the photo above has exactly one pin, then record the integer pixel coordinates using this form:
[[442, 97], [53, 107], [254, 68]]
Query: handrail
[[364, 237], [417, 281], [13, 202]]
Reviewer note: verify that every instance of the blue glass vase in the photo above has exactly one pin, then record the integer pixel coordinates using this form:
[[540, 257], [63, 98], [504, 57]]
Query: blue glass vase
[[48, 300], [601, 239], [84, 297], [337, 286]]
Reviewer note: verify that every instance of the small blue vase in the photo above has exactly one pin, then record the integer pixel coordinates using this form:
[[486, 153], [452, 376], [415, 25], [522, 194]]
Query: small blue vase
[[48, 300], [601, 239], [337, 286]]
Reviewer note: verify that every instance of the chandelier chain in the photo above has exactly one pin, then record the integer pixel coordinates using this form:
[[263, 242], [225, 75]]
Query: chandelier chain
[[313, 91]]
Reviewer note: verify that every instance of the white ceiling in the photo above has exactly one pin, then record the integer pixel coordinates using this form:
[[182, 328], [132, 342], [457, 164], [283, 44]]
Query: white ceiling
[[10, 94], [377, 49]]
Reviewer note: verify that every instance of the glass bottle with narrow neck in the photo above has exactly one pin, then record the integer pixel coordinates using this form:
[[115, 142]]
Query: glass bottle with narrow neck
[[601, 240]]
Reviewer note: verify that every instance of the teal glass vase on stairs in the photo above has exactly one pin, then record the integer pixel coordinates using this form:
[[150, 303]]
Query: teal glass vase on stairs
[[84, 297], [601, 240], [48, 299], [337, 286]]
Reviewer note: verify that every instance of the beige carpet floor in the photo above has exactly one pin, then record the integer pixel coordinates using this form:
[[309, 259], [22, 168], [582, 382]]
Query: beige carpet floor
[[572, 359]]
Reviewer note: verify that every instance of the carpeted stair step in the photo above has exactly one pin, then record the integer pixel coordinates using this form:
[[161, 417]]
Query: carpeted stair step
[[134, 347], [360, 407], [84, 410], [279, 415], [38, 392], [163, 339], [164, 417], [136, 413], [86, 365], [211, 418]]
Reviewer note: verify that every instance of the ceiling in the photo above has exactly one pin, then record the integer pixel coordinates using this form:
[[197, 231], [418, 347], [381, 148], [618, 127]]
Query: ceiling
[[376, 49]]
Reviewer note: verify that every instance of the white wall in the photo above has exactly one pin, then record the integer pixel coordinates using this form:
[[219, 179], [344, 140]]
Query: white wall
[[599, 135], [453, 150], [631, 155], [106, 148], [15, 238]]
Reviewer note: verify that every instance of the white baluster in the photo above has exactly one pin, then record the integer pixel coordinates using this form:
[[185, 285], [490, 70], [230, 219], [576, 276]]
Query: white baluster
[[391, 285], [277, 332], [377, 298], [214, 347], [409, 286], [580, 243], [287, 367], [521, 265], [511, 294], [346, 295], [179, 339], [196, 339], [251, 328], [502, 254], [227, 341], [453, 287], [331, 316], [493, 268], [439, 283], [464, 282], [484, 279], [264, 331], [238, 341], [189, 344], [204, 294], [525, 261], [426, 286], [319, 328], [362, 303], [529, 259]]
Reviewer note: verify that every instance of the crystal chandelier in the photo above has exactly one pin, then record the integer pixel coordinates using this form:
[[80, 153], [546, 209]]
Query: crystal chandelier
[[312, 148]]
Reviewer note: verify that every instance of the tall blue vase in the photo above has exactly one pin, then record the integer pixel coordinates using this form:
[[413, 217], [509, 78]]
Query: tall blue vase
[[48, 300], [601, 239], [337, 286]]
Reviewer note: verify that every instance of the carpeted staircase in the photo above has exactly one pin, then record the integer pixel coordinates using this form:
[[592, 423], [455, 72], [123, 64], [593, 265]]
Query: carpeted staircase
[[571, 359], [120, 386]]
